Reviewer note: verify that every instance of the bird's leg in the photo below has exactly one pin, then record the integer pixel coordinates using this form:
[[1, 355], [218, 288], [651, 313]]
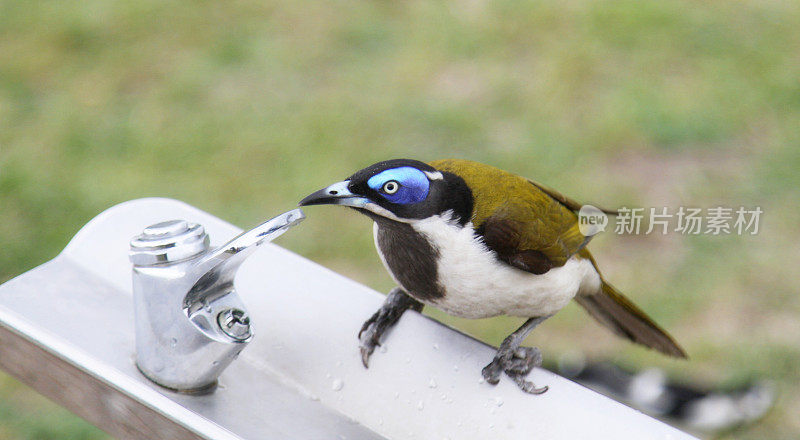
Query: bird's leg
[[397, 302], [516, 361]]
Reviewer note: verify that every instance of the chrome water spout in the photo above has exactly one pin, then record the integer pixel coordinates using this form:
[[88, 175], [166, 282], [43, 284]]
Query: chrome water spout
[[190, 322]]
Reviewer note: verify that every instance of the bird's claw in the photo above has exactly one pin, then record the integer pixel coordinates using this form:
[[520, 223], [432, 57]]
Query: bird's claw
[[373, 329], [516, 364], [526, 385], [367, 348], [369, 338], [366, 352]]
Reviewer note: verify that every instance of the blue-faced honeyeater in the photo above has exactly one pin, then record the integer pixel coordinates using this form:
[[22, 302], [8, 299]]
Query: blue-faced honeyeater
[[476, 241]]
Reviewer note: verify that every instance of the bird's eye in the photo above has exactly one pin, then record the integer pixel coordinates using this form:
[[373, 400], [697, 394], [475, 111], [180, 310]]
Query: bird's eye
[[390, 187]]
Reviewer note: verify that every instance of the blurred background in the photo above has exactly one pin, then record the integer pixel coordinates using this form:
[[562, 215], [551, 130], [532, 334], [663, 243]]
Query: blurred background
[[242, 107]]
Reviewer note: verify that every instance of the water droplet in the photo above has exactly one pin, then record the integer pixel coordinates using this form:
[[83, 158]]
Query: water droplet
[[337, 384], [449, 401], [314, 397], [498, 401], [455, 367], [435, 346], [215, 363], [408, 360], [481, 380], [396, 395], [420, 405], [443, 396], [493, 410], [491, 426], [173, 342], [432, 383], [383, 349], [380, 422], [328, 375]]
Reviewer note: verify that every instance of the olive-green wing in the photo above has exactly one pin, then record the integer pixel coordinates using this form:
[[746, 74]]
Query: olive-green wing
[[533, 236], [525, 225]]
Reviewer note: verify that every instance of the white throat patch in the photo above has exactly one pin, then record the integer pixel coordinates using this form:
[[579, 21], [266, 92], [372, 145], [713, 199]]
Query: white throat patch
[[383, 212]]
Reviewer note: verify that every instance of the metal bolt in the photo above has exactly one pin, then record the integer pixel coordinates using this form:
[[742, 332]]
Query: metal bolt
[[234, 323]]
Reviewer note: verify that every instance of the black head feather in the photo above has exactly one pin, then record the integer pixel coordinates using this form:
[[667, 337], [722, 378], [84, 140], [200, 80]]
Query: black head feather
[[448, 193]]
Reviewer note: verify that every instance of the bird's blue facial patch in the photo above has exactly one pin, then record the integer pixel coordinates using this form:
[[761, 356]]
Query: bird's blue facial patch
[[403, 185]]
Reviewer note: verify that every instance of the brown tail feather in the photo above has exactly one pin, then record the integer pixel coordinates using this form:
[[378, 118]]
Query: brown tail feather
[[619, 314]]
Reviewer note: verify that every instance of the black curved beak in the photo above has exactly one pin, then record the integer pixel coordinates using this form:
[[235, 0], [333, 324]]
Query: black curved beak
[[336, 194]]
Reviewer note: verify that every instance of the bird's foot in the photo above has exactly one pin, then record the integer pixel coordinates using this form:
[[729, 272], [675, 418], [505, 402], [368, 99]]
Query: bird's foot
[[516, 363], [397, 302], [369, 337]]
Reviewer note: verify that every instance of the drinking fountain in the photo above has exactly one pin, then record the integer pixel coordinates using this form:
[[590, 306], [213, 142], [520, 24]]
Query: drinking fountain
[[190, 322]]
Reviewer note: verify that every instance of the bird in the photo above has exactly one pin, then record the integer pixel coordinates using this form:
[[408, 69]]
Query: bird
[[476, 241]]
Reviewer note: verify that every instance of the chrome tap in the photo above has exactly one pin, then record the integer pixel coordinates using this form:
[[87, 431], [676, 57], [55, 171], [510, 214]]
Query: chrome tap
[[190, 322]]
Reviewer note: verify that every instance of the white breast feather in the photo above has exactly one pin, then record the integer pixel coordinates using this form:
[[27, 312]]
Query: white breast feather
[[478, 285]]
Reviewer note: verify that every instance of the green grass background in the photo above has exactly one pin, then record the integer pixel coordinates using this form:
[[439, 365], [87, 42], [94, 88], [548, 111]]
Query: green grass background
[[242, 107]]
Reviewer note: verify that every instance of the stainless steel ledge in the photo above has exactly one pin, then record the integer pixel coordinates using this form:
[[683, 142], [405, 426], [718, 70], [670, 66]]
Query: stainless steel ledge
[[66, 328]]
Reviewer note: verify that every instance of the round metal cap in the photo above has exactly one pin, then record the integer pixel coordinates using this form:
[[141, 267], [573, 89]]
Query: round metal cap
[[168, 242]]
